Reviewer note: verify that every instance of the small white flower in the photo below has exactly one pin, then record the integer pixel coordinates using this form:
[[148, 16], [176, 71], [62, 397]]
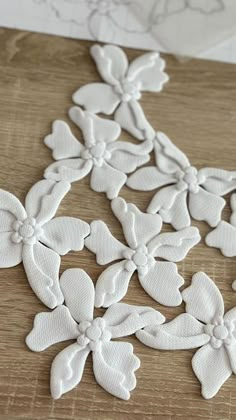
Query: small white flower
[[203, 325], [114, 363], [160, 279]]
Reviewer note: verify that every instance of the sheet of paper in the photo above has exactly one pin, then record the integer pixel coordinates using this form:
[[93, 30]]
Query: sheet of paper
[[182, 27]]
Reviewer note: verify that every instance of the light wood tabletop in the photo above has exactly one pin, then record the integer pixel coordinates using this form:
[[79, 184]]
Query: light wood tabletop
[[197, 110]]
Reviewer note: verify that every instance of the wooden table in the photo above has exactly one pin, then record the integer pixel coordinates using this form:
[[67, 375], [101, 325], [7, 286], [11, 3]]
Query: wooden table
[[196, 109]]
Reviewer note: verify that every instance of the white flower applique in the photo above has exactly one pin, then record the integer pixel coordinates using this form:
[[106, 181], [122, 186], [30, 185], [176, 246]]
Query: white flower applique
[[114, 363], [31, 235], [160, 279], [107, 159], [188, 191], [203, 325], [123, 85]]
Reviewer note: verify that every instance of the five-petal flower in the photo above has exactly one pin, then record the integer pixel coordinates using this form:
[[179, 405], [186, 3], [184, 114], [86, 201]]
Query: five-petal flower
[[108, 160], [31, 235], [203, 325], [123, 84], [190, 192], [114, 363], [160, 279]]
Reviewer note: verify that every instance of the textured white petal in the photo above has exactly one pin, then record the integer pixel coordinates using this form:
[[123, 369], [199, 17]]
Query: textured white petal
[[126, 157], [162, 283], [169, 158], [9, 203], [50, 328], [64, 234], [7, 220], [103, 244], [97, 97], [123, 320], [95, 129], [42, 265], [203, 299], [78, 290], [212, 368], [108, 180], [231, 353], [114, 366], [111, 62], [131, 118], [205, 206], [112, 284], [62, 142], [67, 369], [174, 246], [138, 227], [10, 252], [44, 198], [69, 170], [148, 179], [218, 181], [224, 238], [183, 332], [148, 69]]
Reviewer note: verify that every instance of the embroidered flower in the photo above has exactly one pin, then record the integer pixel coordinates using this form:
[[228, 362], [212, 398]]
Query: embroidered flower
[[31, 235], [114, 363], [204, 325], [160, 279], [123, 85], [190, 192], [108, 160]]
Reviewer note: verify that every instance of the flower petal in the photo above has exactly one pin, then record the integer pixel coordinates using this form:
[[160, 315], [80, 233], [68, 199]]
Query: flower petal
[[64, 234], [97, 97], [126, 157], [138, 227], [218, 181], [69, 170], [114, 366], [169, 158], [123, 320], [148, 179], [67, 369], [174, 246], [42, 265], [148, 69], [203, 299], [62, 142], [212, 368], [224, 238], [111, 62], [102, 243], [131, 118], [9, 203], [162, 283], [112, 284], [44, 198], [95, 129], [108, 180], [78, 291], [50, 328], [206, 207], [7, 220], [10, 252], [183, 332]]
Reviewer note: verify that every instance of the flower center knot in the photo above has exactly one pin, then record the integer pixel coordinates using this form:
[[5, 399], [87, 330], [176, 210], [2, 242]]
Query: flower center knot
[[137, 259], [93, 333], [220, 333], [26, 231], [188, 180], [128, 90], [97, 153]]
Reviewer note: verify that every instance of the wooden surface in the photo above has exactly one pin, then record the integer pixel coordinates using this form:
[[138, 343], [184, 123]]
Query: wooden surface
[[38, 75]]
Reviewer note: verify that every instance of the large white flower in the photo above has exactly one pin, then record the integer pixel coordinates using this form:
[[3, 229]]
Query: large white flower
[[160, 279], [108, 160], [31, 235], [190, 192], [123, 85], [204, 325], [114, 363]]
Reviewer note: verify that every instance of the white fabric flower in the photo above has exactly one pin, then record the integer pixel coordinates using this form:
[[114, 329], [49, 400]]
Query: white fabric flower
[[123, 85], [31, 235], [189, 192], [114, 363], [108, 160], [160, 279], [203, 325]]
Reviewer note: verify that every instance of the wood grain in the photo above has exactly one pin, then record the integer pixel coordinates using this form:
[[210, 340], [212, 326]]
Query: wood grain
[[196, 109]]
